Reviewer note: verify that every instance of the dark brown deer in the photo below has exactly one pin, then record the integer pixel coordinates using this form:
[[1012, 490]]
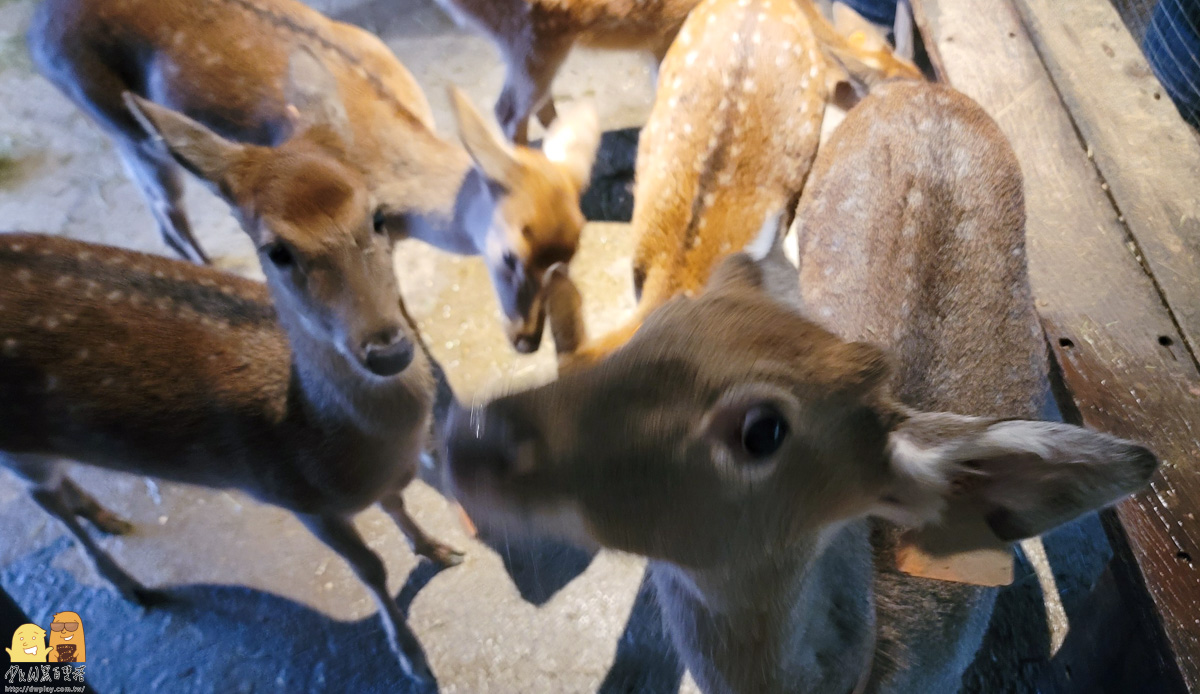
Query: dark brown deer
[[762, 460]]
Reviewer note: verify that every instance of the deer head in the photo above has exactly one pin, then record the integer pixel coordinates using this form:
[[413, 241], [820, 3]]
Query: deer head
[[533, 217], [731, 426], [319, 234]]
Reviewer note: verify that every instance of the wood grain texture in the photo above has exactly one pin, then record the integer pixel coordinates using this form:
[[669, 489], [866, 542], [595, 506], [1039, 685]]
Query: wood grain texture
[[1121, 355], [1147, 154]]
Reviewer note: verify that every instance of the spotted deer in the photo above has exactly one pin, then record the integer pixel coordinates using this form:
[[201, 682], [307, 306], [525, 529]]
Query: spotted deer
[[730, 140], [306, 393], [535, 36], [764, 457], [245, 69]]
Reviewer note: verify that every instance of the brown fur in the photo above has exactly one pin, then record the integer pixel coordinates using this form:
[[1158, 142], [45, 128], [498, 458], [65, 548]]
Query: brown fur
[[229, 65], [730, 140], [138, 363], [535, 36], [763, 562]]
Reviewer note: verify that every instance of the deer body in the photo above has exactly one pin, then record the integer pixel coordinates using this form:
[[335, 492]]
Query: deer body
[[733, 132], [535, 36], [227, 64], [760, 459], [314, 400]]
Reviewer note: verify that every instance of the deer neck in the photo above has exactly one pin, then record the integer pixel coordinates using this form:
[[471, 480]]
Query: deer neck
[[795, 621], [337, 393], [452, 205]]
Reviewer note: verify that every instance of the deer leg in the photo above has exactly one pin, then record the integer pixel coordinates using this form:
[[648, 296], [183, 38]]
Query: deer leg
[[340, 535], [421, 542], [83, 505], [531, 70], [161, 182], [56, 495]]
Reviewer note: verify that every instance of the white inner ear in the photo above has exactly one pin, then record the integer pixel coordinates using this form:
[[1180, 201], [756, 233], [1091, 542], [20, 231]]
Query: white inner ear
[[917, 496]]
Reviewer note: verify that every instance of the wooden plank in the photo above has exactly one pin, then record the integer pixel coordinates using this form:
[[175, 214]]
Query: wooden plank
[[1119, 350], [1147, 154]]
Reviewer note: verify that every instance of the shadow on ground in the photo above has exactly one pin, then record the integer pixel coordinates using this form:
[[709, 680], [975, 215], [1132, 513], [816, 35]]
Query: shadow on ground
[[210, 638]]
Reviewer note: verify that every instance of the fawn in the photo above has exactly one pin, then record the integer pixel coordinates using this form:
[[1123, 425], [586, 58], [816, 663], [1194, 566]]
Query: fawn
[[231, 67], [306, 393], [763, 462], [734, 129], [535, 36]]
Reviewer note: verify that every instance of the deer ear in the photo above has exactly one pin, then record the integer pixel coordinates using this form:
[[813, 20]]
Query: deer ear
[[198, 149], [860, 33], [313, 95], [572, 142], [762, 265], [492, 153], [1016, 478]]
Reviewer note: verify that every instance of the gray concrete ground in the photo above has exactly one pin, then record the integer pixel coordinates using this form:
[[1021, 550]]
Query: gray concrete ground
[[260, 604]]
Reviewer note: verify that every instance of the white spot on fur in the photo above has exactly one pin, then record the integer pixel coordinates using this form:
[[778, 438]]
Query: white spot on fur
[[82, 354], [10, 347], [52, 323], [114, 295], [690, 58], [62, 281]]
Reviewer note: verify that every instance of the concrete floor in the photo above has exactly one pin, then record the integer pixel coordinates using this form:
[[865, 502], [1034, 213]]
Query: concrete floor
[[261, 605]]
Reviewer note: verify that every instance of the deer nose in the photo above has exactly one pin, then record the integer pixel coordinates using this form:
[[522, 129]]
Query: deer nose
[[480, 445], [388, 353]]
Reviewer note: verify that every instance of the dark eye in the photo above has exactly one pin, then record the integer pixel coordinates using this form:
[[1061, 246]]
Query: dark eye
[[379, 221], [510, 261], [763, 432], [280, 255]]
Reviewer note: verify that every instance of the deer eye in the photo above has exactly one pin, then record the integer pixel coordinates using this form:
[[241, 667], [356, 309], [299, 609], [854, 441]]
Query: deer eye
[[280, 255], [763, 432], [379, 221]]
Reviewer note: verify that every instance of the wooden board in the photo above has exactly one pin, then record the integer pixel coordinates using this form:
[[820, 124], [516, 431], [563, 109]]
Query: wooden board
[[1147, 154], [1121, 355]]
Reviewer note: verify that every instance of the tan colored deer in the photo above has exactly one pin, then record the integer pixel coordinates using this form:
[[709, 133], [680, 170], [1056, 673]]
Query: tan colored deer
[[759, 459], [733, 132], [315, 401], [223, 65], [535, 36]]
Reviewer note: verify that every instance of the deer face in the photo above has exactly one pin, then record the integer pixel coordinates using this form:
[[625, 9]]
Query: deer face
[[325, 253], [534, 220], [731, 425]]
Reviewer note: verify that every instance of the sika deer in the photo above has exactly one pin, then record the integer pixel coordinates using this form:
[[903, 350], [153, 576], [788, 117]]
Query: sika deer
[[133, 362], [242, 69], [733, 132], [535, 36], [756, 457]]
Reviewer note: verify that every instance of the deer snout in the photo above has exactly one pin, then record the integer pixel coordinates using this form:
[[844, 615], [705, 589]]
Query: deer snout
[[484, 447], [526, 338], [387, 353]]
